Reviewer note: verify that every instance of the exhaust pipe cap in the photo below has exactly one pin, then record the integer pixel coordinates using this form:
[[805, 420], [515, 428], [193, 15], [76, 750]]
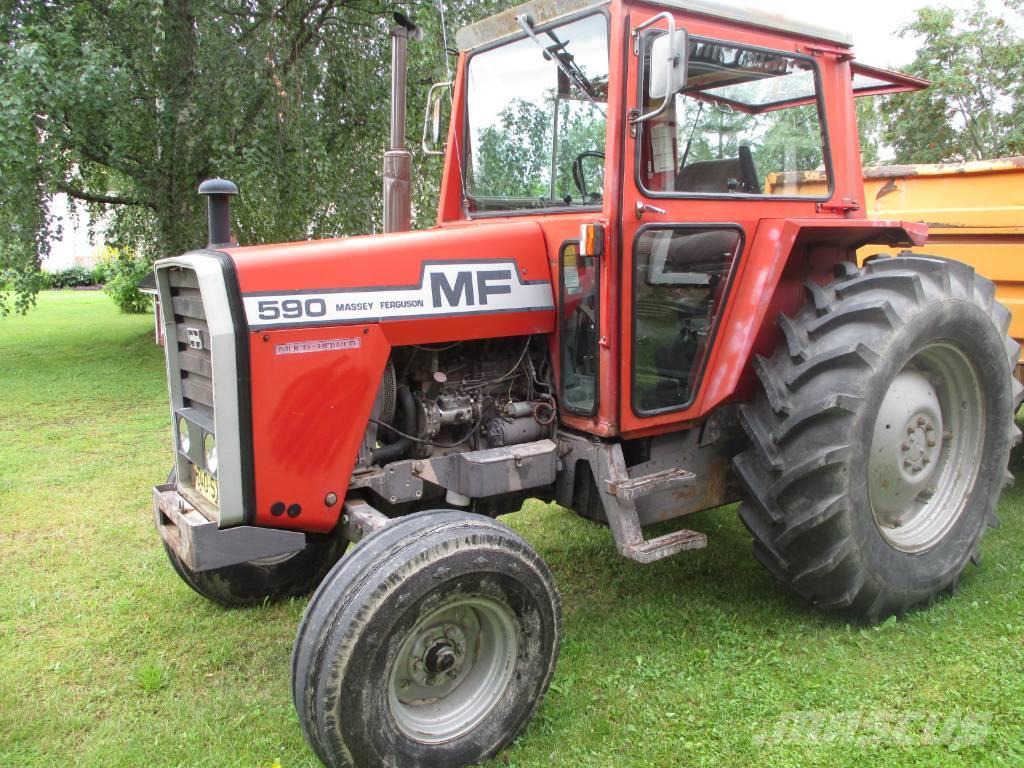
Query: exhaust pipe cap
[[218, 187]]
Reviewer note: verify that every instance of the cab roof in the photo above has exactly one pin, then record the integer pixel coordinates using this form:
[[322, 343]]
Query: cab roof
[[504, 24]]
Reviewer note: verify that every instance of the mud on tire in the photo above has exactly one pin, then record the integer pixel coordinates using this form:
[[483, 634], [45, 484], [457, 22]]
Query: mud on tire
[[865, 404]]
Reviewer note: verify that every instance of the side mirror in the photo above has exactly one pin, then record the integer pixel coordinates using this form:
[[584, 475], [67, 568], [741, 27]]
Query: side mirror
[[667, 80], [668, 63], [439, 100]]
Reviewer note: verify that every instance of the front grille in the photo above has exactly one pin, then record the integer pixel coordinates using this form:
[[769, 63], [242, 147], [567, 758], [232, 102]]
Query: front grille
[[192, 336], [205, 342]]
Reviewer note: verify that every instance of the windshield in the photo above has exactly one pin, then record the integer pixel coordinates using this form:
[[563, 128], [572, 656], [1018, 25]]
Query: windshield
[[536, 120]]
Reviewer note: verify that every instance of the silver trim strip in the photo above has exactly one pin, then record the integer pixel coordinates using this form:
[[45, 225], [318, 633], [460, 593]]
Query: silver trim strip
[[227, 425]]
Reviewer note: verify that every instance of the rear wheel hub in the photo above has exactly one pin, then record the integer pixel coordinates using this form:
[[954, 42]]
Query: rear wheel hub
[[925, 448]]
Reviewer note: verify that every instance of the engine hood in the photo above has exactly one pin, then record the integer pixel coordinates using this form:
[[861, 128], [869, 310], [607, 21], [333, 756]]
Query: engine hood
[[481, 269]]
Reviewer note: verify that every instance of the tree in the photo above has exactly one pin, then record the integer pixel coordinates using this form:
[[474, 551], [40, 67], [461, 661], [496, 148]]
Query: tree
[[975, 106], [514, 154], [126, 105]]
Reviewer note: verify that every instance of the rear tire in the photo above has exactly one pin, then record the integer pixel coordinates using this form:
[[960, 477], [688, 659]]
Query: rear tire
[[431, 644], [880, 439]]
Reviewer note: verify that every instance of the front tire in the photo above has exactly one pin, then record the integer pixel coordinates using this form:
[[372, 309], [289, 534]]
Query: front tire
[[260, 581], [431, 644], [880, 439]]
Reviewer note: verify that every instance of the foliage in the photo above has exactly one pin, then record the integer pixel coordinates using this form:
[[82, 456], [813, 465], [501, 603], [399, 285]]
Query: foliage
[[122, 285], [108, 659], [71, 277], [974, 108], [869, 130], [126, 105], [781, 140], [102, 272], [514, 157]]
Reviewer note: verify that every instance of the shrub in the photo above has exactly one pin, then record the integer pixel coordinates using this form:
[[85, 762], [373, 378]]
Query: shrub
[[102, 272], [122, 285], [72, 277]]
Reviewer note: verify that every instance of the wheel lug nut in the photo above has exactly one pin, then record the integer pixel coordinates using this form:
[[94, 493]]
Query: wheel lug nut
[[910, 429], [926, 460], [930, 428], [452, 674], [920, 421], [931, 443], [905, 446], [907, 463], [403, 684]]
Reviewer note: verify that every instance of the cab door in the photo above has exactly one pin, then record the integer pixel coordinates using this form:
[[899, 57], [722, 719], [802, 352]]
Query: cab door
[[702, 169]]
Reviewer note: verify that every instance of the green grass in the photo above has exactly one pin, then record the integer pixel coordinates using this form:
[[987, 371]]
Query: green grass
[[107, 659]]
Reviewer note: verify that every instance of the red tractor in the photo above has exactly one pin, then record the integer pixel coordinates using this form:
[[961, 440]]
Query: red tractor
[[630, 305]]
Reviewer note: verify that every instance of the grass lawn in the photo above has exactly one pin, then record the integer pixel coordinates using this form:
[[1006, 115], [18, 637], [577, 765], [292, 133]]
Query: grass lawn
[[107, 659]]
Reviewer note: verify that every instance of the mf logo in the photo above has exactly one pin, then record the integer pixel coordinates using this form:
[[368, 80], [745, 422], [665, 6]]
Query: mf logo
[[470, 287], [195, 338]]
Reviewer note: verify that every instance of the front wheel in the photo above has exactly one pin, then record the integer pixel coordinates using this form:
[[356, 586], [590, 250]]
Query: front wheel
[[268, 579], [880, 440], [431, 644]]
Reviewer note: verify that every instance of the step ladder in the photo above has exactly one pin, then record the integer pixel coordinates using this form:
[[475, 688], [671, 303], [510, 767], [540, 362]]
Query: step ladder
[[619, 493]]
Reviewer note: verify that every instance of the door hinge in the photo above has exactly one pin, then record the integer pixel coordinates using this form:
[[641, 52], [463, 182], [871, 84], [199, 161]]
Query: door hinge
[[631, 116], [845, 205]]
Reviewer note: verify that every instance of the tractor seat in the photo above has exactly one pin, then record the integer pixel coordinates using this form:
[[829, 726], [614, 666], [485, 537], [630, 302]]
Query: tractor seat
[[714, 176]]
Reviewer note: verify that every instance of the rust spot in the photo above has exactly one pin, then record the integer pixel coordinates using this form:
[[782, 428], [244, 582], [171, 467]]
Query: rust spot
[[886, 189]]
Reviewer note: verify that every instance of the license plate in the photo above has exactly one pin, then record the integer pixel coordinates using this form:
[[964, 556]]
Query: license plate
[[205, 483]]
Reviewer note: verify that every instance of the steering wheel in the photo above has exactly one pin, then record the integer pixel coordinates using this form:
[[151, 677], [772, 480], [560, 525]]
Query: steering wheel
[[577, 173]]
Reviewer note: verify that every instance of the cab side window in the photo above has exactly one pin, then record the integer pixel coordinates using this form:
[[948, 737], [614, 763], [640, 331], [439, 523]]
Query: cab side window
[[747, 122]]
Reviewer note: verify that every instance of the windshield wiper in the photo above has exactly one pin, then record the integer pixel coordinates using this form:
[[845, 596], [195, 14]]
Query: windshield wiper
[[564, 60]]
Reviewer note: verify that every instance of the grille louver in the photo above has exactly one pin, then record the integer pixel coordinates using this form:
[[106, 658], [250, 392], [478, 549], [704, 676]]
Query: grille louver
[[195, 365]]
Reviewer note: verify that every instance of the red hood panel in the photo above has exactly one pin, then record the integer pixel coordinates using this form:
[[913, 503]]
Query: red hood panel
[[382, 260], [491, 268]]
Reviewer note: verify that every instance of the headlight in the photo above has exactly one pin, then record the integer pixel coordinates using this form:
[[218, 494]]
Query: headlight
[[183, 438], [210, 453]]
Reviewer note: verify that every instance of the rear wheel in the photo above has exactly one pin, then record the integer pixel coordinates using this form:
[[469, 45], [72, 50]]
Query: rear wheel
[[879, 443], [431, 644]]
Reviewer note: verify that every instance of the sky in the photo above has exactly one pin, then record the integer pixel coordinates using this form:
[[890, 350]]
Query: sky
[[873, 24]]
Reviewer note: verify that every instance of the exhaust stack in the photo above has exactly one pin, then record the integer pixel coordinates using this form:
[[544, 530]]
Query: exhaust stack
[[218, 193], [398, 159]]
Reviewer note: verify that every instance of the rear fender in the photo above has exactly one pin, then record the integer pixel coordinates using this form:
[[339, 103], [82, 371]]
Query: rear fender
[[784, 255]]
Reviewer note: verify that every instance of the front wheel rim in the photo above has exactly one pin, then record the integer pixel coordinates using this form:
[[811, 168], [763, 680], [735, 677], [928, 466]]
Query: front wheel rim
[[452, 668], [926, 448]]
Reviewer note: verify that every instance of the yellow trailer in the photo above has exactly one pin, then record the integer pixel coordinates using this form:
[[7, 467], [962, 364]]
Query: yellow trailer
[[974, 212]]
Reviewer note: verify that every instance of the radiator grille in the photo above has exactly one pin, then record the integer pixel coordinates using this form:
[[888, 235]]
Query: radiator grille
[[192, 335]]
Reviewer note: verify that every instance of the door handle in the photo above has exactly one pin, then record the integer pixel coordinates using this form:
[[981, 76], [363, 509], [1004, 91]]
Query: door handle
[[642, 208]]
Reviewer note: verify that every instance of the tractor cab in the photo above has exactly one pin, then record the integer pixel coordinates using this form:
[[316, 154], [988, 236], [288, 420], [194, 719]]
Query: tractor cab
[[684, 134]]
